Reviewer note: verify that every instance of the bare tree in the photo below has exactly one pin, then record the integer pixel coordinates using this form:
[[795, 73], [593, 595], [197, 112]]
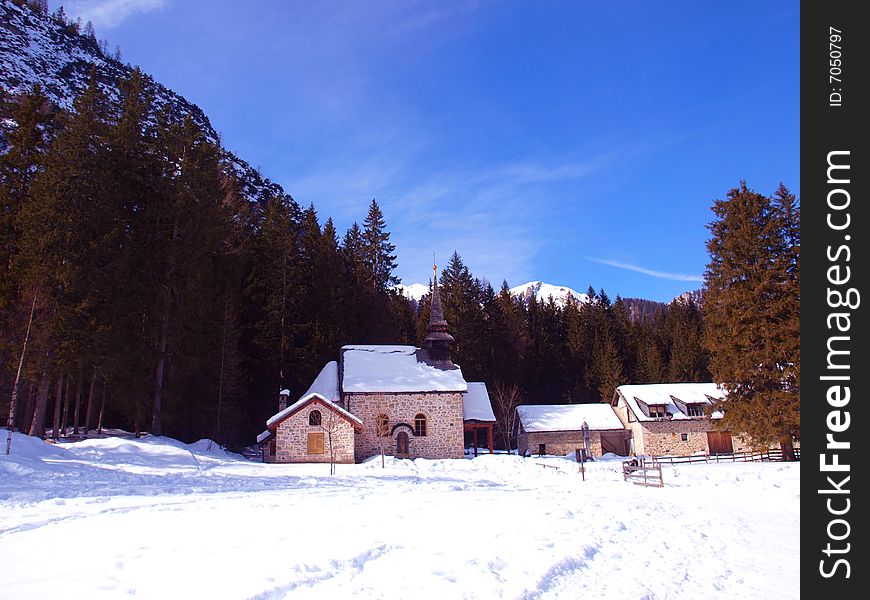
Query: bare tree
[[382, 429], [329, 422], [505, 399], [10, 422]]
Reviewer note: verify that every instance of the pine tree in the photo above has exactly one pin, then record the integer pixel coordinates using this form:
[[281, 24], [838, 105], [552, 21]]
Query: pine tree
[[27, 143], [751, 312], [61, 221], [271, 294], [460, 299], [378, 251]]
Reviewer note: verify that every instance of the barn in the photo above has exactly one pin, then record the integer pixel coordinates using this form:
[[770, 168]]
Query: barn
[[558, 429], [675, 419]]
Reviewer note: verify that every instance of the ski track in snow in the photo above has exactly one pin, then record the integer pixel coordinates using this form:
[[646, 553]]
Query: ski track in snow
[[157, 519]]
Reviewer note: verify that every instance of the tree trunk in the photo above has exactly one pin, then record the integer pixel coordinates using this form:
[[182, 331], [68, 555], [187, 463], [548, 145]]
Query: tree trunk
[[37, 426], [89, 413], [217, 421], [787, 447], [78, 403], [10, 421], [156, 415], [64, 416], [27, 414], [102, 409], [58, 404]]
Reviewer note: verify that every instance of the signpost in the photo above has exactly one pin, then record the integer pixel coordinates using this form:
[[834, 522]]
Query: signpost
[[582, 454]]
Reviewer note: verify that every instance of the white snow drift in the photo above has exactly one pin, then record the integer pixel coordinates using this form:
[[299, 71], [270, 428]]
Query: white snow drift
[[155, 518]]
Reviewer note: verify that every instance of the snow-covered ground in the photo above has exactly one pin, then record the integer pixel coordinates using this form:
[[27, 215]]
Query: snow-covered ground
[[155, 518]]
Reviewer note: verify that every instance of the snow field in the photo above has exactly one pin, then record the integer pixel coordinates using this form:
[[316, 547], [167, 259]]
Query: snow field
[[155, 518]]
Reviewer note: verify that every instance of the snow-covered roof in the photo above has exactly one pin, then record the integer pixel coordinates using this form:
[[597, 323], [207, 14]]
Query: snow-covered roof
[[395, 369], [278, 417], [567, 417], [671, 395], [326, 383], [264, 436], [476, 405]]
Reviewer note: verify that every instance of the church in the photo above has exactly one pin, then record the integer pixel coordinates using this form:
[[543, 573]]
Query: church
[[402, 401]]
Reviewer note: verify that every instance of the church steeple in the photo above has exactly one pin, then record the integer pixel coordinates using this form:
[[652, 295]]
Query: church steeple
[[438, 341]]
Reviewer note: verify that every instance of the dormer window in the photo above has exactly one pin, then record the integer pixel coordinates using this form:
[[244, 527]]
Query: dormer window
[[657, 411], [694, 410], [654, 411]]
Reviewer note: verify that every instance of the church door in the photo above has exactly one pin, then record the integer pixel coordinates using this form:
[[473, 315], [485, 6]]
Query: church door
[[402, 444]]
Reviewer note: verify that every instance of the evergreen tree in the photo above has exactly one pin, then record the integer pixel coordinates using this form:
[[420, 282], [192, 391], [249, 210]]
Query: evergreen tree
[[460, 298], [751, 312], [62, 220], [27, 142], [378, 251]]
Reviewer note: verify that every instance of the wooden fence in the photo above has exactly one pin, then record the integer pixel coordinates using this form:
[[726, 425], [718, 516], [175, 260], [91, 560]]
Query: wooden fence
[[772, 455], [650, 476]]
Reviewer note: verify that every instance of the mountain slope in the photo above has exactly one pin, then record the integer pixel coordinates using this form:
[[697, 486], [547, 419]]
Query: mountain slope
[[36, 48]]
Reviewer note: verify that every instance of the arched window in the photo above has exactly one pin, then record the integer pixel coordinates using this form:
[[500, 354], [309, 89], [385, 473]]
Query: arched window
[[314, 417], [420, 425], [382, 425]]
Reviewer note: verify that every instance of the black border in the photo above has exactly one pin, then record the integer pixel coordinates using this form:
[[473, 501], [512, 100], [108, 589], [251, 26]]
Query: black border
[[826, 128]]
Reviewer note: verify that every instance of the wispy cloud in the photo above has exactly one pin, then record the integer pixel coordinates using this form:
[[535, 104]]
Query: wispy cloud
[[109, 13], [645, 271]]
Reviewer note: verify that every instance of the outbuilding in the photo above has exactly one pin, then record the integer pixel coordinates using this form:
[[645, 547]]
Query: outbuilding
[[675, 418], [559, 429]]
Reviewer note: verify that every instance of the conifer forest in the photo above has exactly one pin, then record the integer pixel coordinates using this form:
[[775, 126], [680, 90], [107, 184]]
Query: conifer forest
[[142, 289]]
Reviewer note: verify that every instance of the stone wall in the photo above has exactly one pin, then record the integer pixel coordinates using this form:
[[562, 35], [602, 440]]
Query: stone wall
[[665, 437], [291, 437], [558, 443], [658, 438], [443, 410], [268, 449]]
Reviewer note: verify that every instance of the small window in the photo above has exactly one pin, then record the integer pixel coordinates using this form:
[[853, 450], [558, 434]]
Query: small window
[[420, 425], [684, 437], [315, 443], [314, 417], [382, 425]]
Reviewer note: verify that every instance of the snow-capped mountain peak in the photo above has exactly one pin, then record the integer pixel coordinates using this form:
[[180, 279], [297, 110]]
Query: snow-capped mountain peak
[[543, 291], [414, 291]]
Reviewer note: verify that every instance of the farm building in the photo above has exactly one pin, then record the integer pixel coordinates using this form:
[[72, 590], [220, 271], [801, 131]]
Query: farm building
[[558, 429], [409, 402], [674, 418]]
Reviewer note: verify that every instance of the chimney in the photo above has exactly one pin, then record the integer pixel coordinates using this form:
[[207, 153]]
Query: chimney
[[282, 399]]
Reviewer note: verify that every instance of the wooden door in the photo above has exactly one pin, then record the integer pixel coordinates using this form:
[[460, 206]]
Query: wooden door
[[402, 443], [719, 442], [616, 443]]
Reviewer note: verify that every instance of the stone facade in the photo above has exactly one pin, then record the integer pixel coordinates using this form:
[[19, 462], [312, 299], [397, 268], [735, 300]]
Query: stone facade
[[444, 424], [558, 443], [290, 442], [665, 437]]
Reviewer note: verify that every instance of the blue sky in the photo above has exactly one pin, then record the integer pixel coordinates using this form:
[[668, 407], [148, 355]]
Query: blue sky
[[574, 142]]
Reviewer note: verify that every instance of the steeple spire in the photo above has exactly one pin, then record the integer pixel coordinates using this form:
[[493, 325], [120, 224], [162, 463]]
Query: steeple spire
[[438, 341]]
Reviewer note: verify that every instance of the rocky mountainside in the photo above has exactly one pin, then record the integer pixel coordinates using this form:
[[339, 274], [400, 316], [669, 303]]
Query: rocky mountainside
[[695, 296], [39, 48]]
